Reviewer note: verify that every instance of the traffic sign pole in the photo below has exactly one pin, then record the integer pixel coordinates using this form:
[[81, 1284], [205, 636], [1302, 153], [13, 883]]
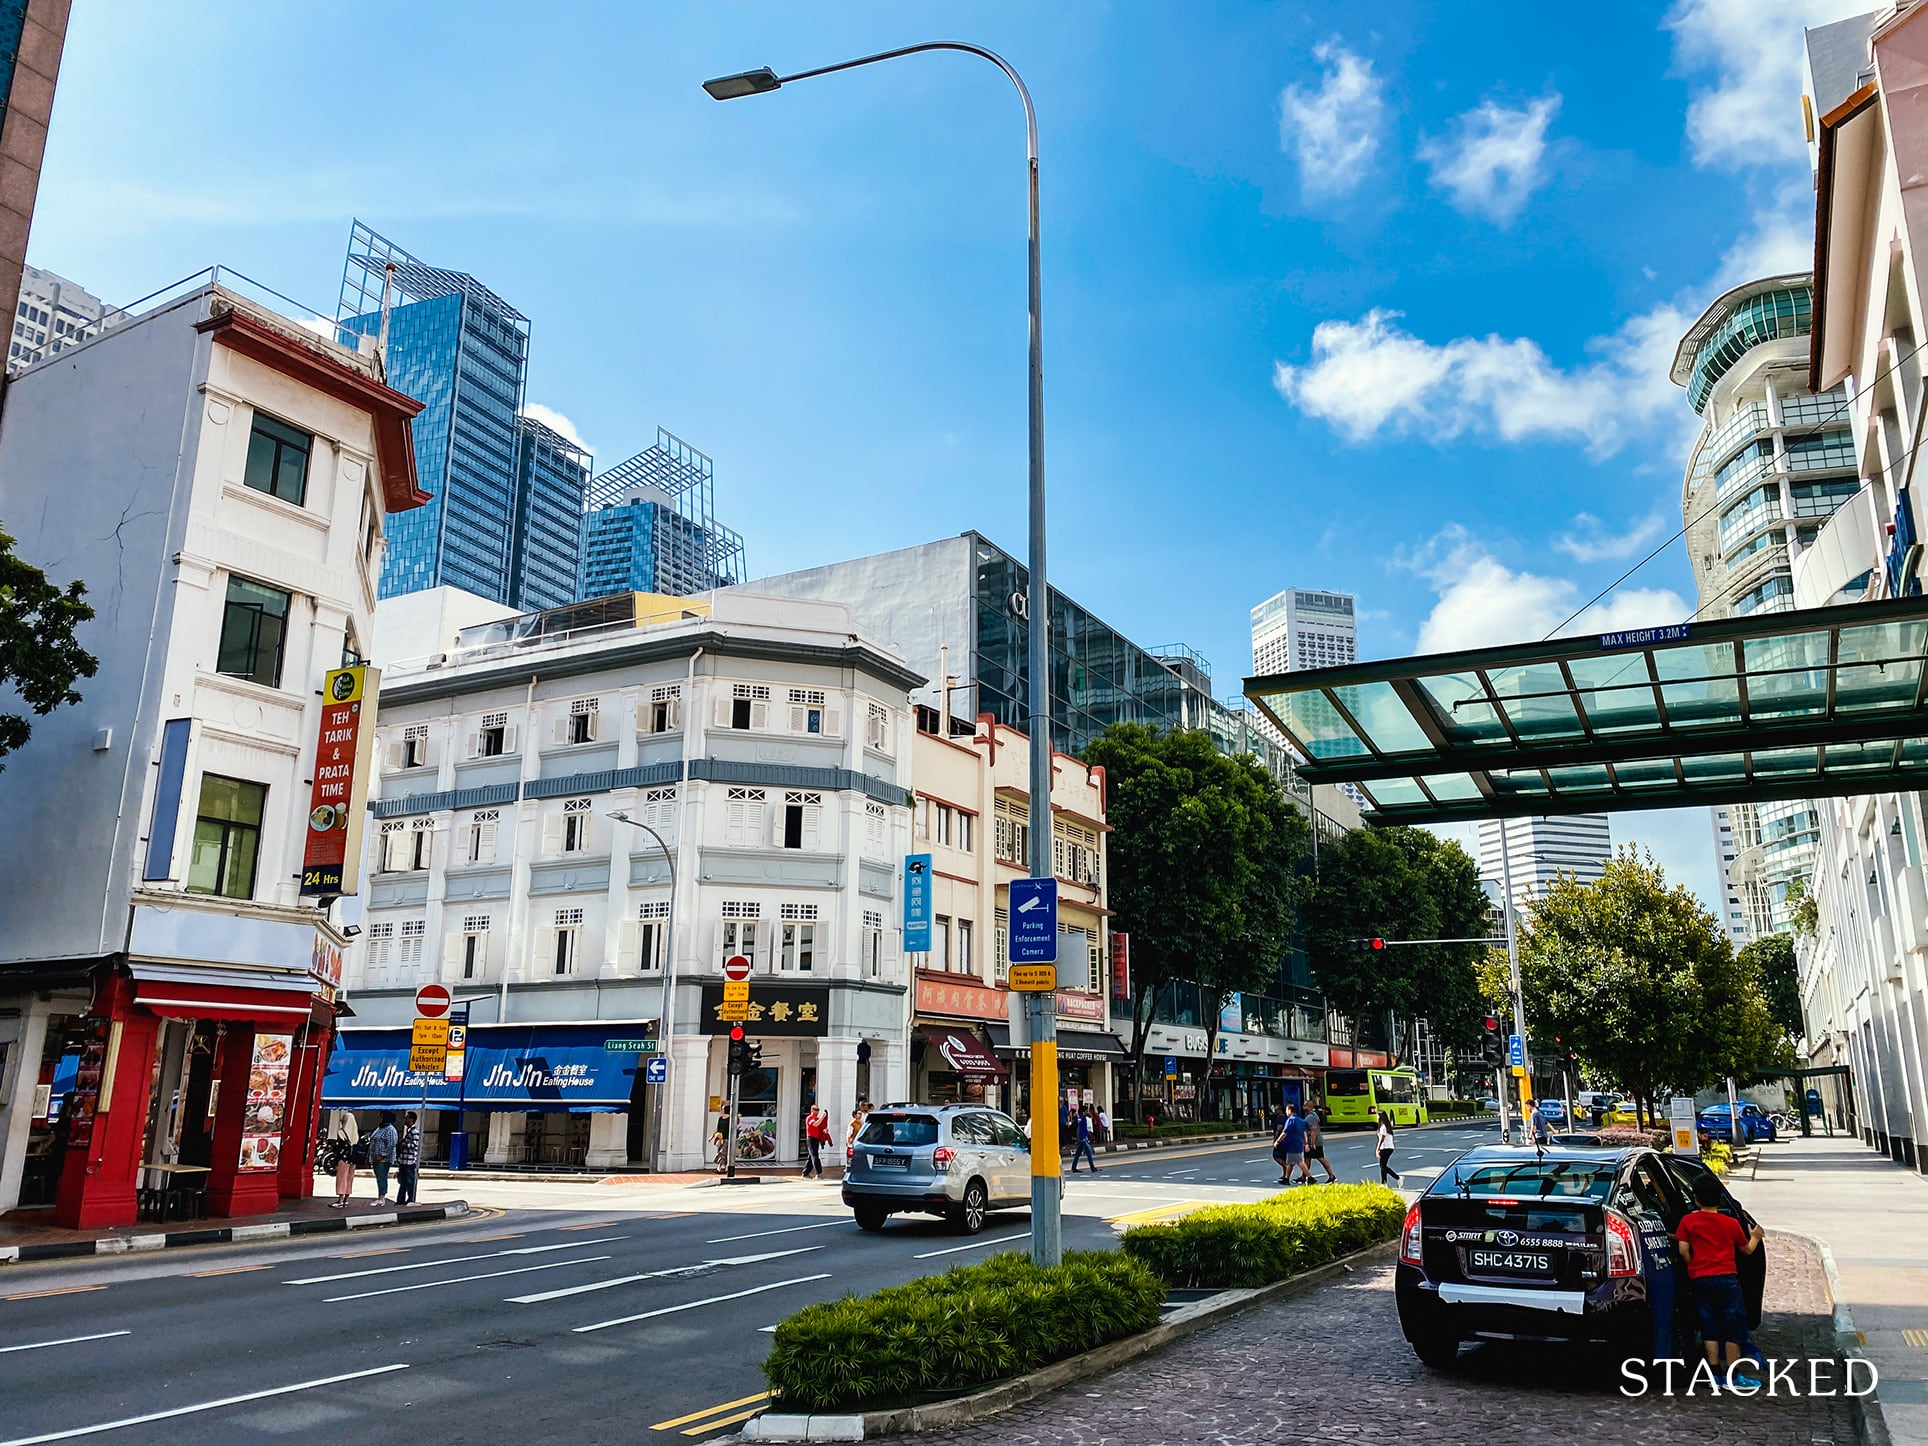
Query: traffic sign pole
[[1033, 909]]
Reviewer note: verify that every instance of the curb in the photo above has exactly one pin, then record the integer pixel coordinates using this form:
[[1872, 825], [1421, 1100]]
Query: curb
[[223, 1234], [1006, 1394], [1870, 1426]]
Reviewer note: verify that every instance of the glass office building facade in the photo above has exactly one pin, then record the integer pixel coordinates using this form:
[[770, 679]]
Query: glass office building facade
[[505, 499], [650, 526]]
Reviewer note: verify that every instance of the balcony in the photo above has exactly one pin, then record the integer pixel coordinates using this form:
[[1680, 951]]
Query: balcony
[[1846, 547]]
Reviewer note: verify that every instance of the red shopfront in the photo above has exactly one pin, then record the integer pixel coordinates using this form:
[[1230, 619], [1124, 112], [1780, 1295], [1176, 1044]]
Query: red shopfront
[[951, 1062], [203, 1080]]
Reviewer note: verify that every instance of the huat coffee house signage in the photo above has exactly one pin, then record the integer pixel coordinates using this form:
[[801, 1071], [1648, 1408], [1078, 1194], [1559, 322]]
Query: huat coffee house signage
[[338, 801], [774, 1009]]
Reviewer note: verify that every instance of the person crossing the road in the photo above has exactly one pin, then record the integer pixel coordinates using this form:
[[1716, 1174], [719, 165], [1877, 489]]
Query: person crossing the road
[[1083, 1125], [816, 1134], [1315, 1146], [1386, 1148], [1289, 1146], [1538, 1131]]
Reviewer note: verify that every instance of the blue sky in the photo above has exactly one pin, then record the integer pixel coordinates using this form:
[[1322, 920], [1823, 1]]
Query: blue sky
[[1377, 298]]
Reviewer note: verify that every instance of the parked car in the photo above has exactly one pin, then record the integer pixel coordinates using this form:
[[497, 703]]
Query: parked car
[[955, 1161], [1490, 1103], [1755, 1123], [1554, 1110], [1563, 1244]]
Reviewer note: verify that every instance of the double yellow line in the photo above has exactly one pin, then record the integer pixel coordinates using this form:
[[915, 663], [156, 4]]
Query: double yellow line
[[755, 1403]]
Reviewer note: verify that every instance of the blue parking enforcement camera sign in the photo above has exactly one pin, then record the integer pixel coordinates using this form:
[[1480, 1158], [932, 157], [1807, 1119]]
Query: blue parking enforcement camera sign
[[1034, 921]]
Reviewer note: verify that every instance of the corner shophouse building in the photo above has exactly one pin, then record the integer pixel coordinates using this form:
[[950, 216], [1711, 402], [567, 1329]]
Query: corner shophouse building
[[218, 477], [971, 815], [764, 740]]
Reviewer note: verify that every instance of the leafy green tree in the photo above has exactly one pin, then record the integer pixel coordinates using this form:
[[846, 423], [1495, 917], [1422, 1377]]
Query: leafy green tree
[[1400, 884], [1204, 867], [1642, 983], [1780, 980], [1803, 911], [39, 657]]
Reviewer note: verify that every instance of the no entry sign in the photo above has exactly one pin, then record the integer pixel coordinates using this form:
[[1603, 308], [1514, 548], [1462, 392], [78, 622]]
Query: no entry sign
[[432, 1001]]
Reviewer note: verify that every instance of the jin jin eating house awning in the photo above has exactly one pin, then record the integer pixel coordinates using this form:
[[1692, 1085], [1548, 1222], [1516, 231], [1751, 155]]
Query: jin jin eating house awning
[[1815, 703]]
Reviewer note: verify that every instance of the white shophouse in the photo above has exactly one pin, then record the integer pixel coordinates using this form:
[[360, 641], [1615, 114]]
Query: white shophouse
[[218, 476], [764, 740]]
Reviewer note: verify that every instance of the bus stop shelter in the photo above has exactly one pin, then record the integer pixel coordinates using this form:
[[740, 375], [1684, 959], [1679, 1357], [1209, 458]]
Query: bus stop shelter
[[1815, 703]]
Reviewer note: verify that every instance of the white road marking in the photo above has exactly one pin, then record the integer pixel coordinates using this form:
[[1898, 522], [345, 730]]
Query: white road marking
[[66, 1341], [673, 1309], [458, 1279], [653, 1275], [453, 1260], [1173, 1175], [203, 1406], [974, 1245], [786, 1230]]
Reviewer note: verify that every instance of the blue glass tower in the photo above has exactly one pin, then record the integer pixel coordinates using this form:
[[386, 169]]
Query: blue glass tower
[[650, 527], [507, 498]]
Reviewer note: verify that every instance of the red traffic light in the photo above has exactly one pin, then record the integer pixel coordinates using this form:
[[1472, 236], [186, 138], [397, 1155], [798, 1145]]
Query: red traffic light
[[1490, 1024], [736, 1034], [1375, 943]]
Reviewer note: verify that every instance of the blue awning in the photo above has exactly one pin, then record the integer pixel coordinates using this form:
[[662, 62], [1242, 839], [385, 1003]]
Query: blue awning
[[510, 1066]]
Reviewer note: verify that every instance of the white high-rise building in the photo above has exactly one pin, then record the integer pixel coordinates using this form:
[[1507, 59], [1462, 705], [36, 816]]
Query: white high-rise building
[[52, 315], [1735, 917], [1298, 629], [1540, 851]]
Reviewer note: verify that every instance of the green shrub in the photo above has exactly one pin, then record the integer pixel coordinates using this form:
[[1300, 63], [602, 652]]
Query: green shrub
[[952, 1332], [1625, 1135], [1251, 1245]]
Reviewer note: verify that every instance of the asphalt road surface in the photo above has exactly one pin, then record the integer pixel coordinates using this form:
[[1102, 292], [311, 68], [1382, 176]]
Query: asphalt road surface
[[577, 1313]]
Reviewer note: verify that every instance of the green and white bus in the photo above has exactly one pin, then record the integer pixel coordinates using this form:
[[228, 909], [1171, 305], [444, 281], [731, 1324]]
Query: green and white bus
[[1356, 1096]]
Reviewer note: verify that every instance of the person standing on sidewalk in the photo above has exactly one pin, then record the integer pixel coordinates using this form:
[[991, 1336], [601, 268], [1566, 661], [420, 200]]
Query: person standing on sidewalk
[[408, 1160], [344, 1139], [1104, 1126], [1315, 1146], [1712, 1244], [1386, 1148], [1083, 1146], [381, 1154], [816, 1134]]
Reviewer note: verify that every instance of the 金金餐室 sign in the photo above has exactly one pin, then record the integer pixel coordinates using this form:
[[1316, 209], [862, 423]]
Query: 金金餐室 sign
[[774, 1009]]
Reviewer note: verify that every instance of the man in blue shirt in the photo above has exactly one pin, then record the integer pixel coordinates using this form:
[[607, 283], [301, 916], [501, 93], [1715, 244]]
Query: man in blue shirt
[[1084, 1142], [1289, 1148]]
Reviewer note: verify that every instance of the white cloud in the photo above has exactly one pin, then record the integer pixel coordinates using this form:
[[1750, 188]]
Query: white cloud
[[1369, 375], [1781, 240], [1484, 603], [1752, 115], [556, 422], [1334, 130], [1491, 162], [1591, 542]]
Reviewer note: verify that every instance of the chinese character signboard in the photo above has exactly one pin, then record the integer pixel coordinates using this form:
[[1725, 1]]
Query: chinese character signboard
[[1120, 966], [774, 1009], [338, 802], [917, 903]]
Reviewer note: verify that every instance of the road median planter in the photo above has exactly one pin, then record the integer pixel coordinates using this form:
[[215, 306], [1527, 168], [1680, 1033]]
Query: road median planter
[[1248, 1245]]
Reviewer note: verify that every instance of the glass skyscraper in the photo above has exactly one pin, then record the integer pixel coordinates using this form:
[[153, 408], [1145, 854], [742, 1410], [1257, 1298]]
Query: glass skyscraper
[[507, 493], [650, 527]]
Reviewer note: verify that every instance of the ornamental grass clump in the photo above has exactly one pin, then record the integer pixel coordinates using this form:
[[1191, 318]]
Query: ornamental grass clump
[[950, 1333], [1248, 1245]]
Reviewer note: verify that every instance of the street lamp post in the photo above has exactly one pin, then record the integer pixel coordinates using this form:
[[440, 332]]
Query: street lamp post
[[1040, 1008], [659, 1151]]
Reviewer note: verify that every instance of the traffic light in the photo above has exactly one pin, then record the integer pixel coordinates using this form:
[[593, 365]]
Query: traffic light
[[739, 1050], [1373, 943], [1492, 1049]]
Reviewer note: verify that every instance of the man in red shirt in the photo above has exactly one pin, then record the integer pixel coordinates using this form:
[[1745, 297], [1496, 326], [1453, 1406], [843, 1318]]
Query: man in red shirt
[[1711, 1243]]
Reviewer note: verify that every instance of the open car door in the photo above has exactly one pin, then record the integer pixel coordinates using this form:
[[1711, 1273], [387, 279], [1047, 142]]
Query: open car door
[[1753, 1267]]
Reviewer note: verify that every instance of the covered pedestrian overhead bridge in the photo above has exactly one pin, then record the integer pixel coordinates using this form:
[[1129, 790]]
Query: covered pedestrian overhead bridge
[[1808, 704]]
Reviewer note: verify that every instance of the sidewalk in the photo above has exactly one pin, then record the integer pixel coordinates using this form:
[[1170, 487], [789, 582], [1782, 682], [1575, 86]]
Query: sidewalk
[[1873, 1216], [23, 1239]]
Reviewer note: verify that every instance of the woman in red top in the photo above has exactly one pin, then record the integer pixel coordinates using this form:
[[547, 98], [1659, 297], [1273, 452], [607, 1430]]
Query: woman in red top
[[816, 1134], [1712, 1244]]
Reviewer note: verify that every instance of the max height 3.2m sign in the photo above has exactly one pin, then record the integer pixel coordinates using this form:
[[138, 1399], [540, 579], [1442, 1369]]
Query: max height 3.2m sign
[[338, 802]]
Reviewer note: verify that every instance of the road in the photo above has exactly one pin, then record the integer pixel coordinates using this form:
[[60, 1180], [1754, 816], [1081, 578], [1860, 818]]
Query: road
[[565, 1312]]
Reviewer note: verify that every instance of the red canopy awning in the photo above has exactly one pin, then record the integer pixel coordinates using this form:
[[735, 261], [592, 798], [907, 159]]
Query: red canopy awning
[[278, 1000], [964, 1053]]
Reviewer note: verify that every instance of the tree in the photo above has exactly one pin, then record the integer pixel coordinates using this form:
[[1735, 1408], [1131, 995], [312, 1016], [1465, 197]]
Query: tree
[[1780, 980], [1400, 884], [1639, 980], [39, 656], [1203, 861], [1803, 910]]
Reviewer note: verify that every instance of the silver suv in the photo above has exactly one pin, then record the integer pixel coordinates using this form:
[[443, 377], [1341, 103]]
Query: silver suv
[[956, 1161]]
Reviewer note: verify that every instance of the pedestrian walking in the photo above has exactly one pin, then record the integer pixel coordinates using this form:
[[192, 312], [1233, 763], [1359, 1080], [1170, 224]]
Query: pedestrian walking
[[1712, 1244], [857, 1118], [1315, 1146], [720, 1143], [344, 1142], [1082, 1123], [408, 1160], [1288, 1147], [1386, 1148], [381, 1153], [1538, 1131], [816, 1134]]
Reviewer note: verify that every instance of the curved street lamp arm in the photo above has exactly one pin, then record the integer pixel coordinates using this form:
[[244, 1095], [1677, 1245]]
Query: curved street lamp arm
[[1030, 114]]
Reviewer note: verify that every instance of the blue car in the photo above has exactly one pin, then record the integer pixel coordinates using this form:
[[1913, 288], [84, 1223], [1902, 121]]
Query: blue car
[[1717, 1120]]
